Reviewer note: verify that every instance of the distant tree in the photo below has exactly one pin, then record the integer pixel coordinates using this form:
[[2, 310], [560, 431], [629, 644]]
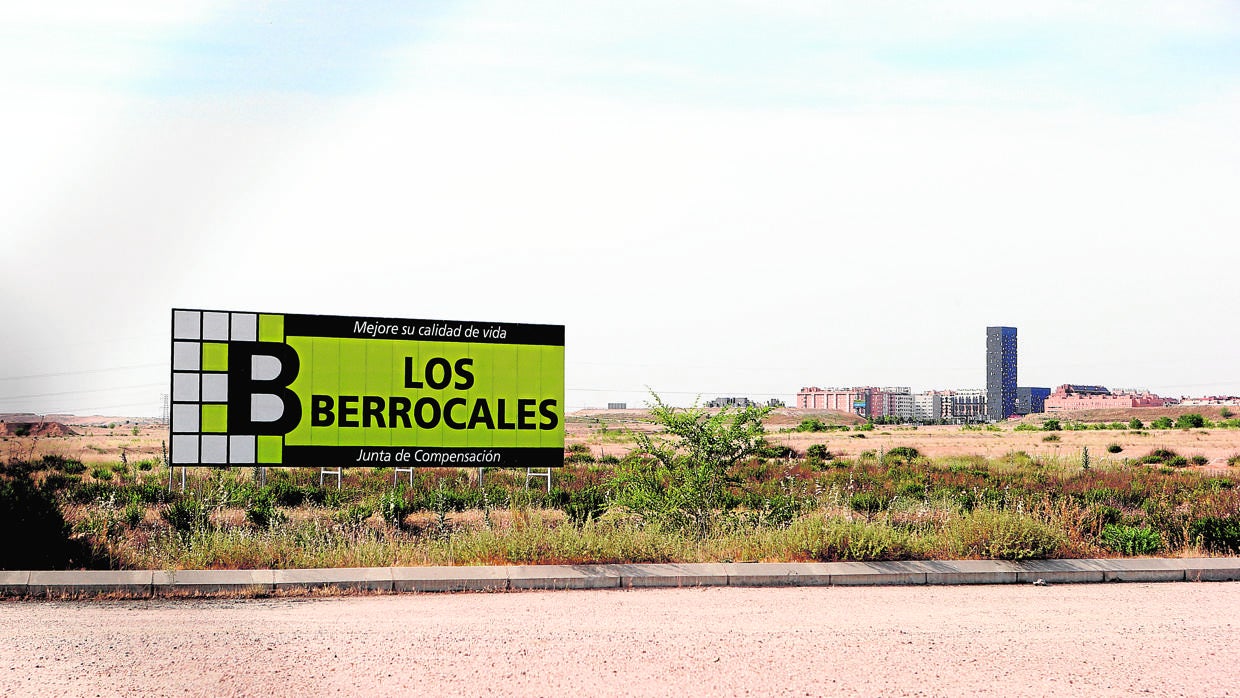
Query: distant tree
[[1051, 425], [1162, 423], [1135, 423], [1192, 420]]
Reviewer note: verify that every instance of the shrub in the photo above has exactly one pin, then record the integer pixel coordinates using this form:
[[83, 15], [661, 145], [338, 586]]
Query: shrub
[[868, 426], [102, 474], [1051, 425], [1051, 437], [1199, 460], [36, 532], [1226, 413], [71, 467], [262, 511], [353, 515], [1192, 420], [1135, 423], [1131, 540], [187, 515], [134, 514], [811, 424], [817, 538], [1003, 535], [1233, 460], [1025, 427], [1160, 456], [902, 453], [1114, 448], [681, 478], [867, 503], [818, 452], [1217, 533], [394, 506], [1162, 423]]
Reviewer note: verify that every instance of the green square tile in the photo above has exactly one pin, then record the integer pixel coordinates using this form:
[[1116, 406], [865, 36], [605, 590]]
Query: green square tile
[[270, 449], [215, 418], [271, 328], [214, 356]]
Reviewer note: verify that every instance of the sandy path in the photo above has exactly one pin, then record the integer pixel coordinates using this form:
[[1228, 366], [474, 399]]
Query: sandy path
[[1121, 639]]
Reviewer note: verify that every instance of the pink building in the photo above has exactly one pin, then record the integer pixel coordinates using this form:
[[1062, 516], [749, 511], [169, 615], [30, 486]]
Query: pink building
[[853, 400], [865, 401], [1094, 397]]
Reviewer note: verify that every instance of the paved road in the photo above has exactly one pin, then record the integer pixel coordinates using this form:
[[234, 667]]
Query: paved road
[[1093, 639]]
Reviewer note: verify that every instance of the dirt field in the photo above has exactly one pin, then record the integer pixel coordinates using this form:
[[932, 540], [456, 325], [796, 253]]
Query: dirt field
[[1217, 445], [101, 440], [1176, 639]]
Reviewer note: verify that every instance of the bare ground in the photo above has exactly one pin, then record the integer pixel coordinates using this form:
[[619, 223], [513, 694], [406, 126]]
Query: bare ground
[[1096, 640]]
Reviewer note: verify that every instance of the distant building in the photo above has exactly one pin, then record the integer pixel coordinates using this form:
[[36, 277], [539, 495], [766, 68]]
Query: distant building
[[863, 401], [964, 406], [775, 402], [853, 400], [1093, 397], [1031, 400], [617, 405], [1000, 372], [730, 402], [928, 407], [1216, 400]]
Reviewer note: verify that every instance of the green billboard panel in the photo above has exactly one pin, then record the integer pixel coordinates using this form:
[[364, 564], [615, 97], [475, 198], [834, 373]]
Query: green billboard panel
[[320, 390]]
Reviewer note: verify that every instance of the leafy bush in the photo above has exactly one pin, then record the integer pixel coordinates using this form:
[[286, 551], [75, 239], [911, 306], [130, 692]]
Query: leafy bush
[[1003, 535], [1114, 448], [1135, 423], [817, 538], [1162, 423], [681, 479], [1198, 460], [1226, 413], [867, 503], [1131, 540], [818, 452], [811, 424], [262, 511], [1051, 425], [1217, 533], [394, 506], [187, 515], [903, 454], [353, 515], [1192, 420], [102, 474], [134, 514], [36, 532], [868, 426], [1163, 456], [1026, 427], [1050, 438]]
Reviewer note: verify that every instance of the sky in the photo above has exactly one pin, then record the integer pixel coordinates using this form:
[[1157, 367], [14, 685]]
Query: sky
[[715, 198]]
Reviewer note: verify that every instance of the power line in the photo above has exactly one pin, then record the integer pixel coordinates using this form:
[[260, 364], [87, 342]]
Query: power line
[[82, 373], [82, 392]]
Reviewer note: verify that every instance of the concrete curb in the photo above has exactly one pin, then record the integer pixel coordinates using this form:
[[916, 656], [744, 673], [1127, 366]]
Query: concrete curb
[[148, 583]]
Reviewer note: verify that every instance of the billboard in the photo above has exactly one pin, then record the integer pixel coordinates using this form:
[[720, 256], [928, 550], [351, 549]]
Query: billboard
[[252, 388]]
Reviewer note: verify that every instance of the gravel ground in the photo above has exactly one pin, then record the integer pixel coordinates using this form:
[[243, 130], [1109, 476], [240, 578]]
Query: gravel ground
[[1179, 639]]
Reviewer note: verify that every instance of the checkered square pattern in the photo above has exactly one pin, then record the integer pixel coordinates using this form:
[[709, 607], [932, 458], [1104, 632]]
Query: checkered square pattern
[[199, 413]]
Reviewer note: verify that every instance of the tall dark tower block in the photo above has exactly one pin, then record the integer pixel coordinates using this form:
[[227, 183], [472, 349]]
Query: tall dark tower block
[[1000, 372]]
